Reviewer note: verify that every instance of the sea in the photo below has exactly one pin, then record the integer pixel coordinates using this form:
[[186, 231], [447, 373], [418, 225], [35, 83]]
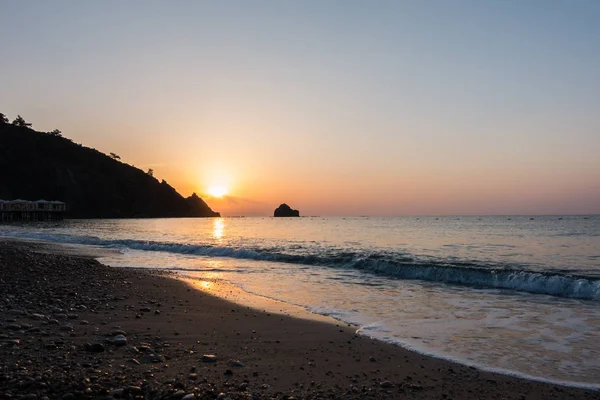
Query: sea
[[514, 294]]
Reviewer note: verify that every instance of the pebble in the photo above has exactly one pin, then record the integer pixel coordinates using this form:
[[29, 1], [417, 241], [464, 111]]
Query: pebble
[[119, 340], [133, 389], [190, 396], [386, 384], [50, 346], [209, 358], [133, 361], [94, 348], [235, 363], [152, 359]]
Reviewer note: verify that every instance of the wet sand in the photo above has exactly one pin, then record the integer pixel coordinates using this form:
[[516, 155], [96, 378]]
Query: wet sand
[[61, 316]]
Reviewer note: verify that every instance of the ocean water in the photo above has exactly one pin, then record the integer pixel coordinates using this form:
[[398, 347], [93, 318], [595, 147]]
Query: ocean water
[[518, 294]]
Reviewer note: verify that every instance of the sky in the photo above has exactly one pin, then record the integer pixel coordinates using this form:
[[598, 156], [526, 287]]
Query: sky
[[447, 107]]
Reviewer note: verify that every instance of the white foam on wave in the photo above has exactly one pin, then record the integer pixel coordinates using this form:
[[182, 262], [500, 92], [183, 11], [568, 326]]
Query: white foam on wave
[[348, 317], [378, 331], [561, 285], [526, 281]]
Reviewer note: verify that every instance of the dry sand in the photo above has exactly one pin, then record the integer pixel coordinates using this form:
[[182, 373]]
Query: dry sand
[[61, 314]]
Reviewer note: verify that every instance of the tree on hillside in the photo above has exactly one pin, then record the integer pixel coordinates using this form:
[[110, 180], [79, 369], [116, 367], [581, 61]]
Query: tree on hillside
[[114, 156], [55, 132], [3, 119], [19, 121], [150, 172]]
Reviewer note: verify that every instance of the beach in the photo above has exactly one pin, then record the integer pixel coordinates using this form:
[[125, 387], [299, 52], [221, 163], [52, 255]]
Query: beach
[[299, 200], [74, 328]]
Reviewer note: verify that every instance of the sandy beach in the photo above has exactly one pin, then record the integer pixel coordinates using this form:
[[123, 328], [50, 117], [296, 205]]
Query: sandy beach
[[73, 328]]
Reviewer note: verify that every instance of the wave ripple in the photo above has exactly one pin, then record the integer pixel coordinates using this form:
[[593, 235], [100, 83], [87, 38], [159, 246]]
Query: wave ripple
[[393, 265]]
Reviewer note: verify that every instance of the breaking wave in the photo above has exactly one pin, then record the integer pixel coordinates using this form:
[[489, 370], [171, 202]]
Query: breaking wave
[[386, 263]]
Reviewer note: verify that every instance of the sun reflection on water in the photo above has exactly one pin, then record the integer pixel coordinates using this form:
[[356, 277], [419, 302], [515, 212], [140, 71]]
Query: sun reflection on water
[[218, 228]]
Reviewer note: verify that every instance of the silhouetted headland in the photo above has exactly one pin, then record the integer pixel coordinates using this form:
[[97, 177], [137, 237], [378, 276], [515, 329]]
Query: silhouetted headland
[[38, 165]]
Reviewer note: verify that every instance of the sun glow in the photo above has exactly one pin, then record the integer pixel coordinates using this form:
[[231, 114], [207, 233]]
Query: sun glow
[[217, 191]]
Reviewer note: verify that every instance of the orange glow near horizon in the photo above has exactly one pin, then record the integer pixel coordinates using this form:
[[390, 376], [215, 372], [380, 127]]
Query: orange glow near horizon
[[350, 120]]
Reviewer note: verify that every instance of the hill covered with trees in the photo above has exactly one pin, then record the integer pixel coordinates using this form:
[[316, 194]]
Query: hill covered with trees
[[44, 165]]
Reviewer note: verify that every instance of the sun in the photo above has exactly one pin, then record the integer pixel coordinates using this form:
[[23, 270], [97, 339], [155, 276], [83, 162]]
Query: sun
[[217, 191]]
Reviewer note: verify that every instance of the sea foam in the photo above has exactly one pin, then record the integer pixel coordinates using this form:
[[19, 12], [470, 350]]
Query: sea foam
[[396, 266]]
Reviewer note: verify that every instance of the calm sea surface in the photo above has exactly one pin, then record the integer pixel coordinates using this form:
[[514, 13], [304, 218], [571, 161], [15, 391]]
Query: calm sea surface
[[515, 294]]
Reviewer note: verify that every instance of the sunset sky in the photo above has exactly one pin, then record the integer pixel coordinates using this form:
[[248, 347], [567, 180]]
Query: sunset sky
[[335, 107]]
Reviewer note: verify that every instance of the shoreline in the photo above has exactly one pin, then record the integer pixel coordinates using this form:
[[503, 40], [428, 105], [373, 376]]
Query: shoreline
[[266, 304], [236, 295], [167, 321]]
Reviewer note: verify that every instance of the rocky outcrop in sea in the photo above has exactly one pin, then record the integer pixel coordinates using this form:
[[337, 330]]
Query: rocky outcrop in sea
[[286, 211]]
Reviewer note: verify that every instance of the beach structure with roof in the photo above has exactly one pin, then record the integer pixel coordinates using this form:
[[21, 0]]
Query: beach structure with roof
[[25, 210]]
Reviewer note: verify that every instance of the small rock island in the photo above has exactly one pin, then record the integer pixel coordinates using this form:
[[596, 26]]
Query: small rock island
[[285, 211]]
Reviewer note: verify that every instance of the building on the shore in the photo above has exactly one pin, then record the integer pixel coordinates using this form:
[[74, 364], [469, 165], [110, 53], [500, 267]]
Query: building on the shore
[[24, 210]]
